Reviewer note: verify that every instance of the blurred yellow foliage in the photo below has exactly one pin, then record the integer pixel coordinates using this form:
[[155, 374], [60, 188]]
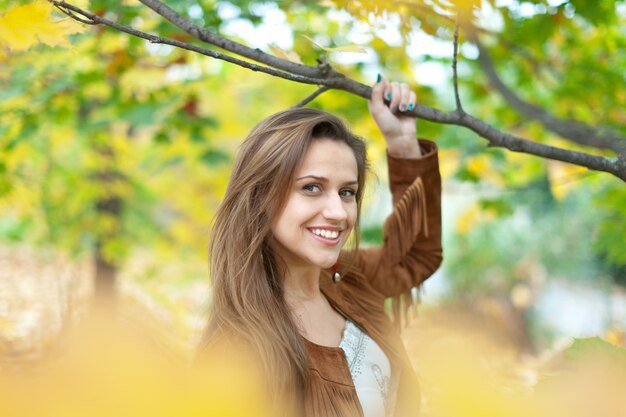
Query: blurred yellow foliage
[[97, 91], [563, 178], [594, 386], [481, 166], [25, 26], [474, 214], [468, 368], [616, 337], [111, 369], [449, 161], [110, 42], [141, 80], [61, 136]]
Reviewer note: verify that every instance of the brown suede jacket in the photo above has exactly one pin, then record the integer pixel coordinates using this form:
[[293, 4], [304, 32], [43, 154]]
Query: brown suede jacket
[[411, 253]]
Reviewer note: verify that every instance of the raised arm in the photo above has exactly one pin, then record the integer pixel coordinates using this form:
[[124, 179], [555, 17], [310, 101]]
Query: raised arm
[[387, 106], [411, 251]]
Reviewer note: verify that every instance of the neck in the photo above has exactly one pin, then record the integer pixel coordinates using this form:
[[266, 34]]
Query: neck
[[301, 284]]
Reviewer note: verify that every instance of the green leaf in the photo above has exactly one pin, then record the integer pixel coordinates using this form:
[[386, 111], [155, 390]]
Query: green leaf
[[596, 12], [9, 92], [593, 347], [214, 157], [501, 206], [372, 235], [143, 114]]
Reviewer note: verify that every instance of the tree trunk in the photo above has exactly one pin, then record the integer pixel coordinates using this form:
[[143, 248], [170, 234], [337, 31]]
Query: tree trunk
[[105, 274], [111, 208]]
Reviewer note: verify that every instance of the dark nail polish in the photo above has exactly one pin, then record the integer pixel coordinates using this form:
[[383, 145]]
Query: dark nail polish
[[410, 106], [388, 96], [378, 78]]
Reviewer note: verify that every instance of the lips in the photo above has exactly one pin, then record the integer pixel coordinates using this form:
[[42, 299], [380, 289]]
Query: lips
[[328, 236]]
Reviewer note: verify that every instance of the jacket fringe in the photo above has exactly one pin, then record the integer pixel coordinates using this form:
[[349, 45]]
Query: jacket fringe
[[408, 220]]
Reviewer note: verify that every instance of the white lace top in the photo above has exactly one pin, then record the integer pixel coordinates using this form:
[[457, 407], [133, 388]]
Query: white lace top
[[370, 370]]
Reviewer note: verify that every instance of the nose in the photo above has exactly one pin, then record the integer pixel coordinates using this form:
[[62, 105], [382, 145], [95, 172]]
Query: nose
[[334, 209]]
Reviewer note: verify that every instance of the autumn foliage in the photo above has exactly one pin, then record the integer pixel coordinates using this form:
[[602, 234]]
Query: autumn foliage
[[23, 27], [121, 147]]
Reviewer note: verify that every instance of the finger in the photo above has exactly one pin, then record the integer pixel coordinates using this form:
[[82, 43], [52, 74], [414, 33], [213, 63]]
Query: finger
[[394, 101], [378, 89], [405, 92], [412, 100], [387, 90]]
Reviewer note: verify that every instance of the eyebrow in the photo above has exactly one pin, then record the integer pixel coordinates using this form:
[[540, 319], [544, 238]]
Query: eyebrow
[[324, 179]]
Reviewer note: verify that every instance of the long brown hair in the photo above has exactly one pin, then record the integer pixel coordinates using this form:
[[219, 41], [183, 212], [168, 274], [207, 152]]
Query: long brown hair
[[247, 287]]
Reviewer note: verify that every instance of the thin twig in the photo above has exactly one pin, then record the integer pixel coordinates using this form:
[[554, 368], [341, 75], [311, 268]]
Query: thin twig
[[311, 97], [455, 76], [70, 10], [71, 14]]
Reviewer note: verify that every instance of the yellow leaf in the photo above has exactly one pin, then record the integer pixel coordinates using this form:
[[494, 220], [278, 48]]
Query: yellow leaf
[[473, 216], [450, 161], [482, 167], [313, 42], [467, 220], [288, 55], [346, 48], [615, 337], [98, 91], [477, 165], [24, 26]]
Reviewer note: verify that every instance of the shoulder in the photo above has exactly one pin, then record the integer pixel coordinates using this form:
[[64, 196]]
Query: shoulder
[[353, 294]]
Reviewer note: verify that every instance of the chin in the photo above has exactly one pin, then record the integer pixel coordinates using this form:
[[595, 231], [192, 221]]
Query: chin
[[328, 263]]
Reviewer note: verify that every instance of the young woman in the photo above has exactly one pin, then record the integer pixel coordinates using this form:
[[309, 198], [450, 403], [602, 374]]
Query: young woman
[[312, 312]]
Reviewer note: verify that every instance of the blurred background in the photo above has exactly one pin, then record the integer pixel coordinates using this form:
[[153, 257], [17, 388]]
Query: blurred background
[[115, 152]]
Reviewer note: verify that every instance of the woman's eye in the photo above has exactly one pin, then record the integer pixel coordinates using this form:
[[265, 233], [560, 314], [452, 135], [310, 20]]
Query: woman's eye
[[312, 188], [347, 193]]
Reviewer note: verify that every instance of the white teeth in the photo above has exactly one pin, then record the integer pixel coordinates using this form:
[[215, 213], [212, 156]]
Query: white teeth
[[328, 234]]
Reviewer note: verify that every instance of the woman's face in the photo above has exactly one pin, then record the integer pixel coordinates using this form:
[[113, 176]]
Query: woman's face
[[321, 207]]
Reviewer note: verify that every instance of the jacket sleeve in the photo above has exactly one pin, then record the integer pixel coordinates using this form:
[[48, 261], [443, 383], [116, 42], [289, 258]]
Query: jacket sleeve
[[411, 250]]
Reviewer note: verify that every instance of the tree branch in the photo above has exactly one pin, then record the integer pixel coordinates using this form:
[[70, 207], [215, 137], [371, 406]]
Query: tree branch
[[459, 107], [496, 138], [310, 98], [209, 37], [327, 77], [573, 130]]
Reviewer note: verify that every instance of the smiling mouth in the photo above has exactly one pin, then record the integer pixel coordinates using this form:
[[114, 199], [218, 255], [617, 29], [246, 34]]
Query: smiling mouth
[[328, 236]]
